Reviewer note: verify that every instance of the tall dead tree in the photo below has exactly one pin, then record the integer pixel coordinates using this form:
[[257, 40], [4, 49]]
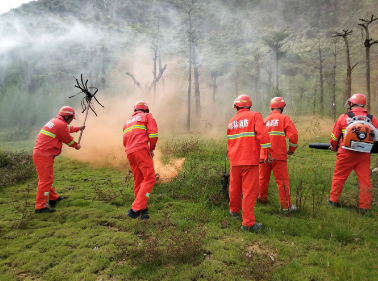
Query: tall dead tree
[[333, 96], [368, 42], [321, 60], [155, 48], [190, 32], [344, 35], [147, 88], [256, 77], [196, 75]]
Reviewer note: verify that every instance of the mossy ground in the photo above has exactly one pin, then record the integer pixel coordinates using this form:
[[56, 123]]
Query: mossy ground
[[190, 235]]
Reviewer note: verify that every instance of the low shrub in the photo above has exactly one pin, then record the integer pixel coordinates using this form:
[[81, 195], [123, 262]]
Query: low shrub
[[15, 166]]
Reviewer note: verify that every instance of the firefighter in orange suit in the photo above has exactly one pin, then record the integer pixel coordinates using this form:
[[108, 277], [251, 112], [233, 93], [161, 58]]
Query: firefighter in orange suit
[[279, 126], [246, 135], [348, 160], [48, 146], [140, 135]]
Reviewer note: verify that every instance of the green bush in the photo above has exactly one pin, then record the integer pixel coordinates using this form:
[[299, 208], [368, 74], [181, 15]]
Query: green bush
[[15, 166]]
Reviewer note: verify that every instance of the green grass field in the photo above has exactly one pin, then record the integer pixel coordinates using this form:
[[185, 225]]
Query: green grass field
[[190, 235]]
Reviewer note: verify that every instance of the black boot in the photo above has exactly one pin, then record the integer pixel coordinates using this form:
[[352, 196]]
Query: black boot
[[44, 210], [52, 203], [134, 215]]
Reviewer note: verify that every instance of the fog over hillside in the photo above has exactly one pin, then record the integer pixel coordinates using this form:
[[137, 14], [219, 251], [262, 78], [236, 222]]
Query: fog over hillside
[[45, 43]]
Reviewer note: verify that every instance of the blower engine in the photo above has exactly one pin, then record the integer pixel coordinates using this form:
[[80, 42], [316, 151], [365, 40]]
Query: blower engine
[[360, 135]]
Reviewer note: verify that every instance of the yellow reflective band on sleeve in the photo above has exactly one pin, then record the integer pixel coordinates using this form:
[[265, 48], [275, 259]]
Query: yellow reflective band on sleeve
[[153, 135], [47, 133], [276, 133], [69, 128], [293, 145], [343, 130], [47, 193], [148, 194], [141, 127], [71, 143], [241, 135], [334, 138], [265, 145]]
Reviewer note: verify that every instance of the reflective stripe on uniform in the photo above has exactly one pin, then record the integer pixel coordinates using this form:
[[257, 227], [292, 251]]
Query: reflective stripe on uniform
[[153, 135], [276, 133], [47, 133], [69, 128], [141, 127], [47, 193], [293, 145], [71, 143], [241, 135], [148, 194], [343, 130], [265, 145], [334, 138]]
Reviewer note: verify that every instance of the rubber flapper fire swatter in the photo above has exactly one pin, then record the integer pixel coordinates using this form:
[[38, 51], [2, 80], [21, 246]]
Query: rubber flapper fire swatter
[[86, 102]]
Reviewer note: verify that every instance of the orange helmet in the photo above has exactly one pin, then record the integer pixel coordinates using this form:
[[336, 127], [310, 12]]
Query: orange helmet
[[67, 111], [242, 101], [359, 99], [141, 105], [277, 102]]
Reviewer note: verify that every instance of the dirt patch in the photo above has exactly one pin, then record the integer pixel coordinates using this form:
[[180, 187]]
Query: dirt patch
[[261, 249]]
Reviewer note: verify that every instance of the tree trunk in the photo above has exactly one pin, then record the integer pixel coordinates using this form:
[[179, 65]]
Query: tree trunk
[[276, 53], [257, 77], [160, 68], [154, 72], [333, 100], [321, 100], [348, 92], [197, 93]]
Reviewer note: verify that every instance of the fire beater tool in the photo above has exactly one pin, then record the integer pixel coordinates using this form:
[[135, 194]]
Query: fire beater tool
[[86, 102]]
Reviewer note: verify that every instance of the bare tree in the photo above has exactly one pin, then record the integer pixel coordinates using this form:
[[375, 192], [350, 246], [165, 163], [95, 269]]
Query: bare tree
[[256, 78], [321, 60], [147, 89], [333, 96], [155, 48], [350, 68], [368, 43], [196, 75], [189, 12]]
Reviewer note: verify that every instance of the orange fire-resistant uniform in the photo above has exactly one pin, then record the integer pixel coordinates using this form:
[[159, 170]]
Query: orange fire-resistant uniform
[[348, 160], [138, 131], [279, 126], [246, 135], [48, 145]]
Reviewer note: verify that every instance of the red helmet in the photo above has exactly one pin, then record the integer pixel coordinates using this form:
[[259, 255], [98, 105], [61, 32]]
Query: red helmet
[[277, 102], [67, 111], [242, 101], [141, 105], [357, 99]]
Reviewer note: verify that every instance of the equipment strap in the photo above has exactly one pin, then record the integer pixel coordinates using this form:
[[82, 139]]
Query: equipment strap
[[351, 115]]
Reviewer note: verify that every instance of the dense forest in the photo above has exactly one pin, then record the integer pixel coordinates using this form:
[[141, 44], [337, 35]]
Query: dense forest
[[196, 55]]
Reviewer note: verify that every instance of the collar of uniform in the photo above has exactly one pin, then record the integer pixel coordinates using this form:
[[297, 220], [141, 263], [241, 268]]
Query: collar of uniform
[[242, 110], [274, 112], [136, 112], [359, 110], [60, 118]]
